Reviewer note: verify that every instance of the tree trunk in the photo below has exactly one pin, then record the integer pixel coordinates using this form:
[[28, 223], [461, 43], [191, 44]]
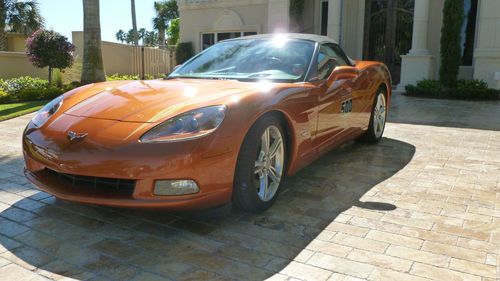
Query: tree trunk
[[161, 38], [50, 75], [92, 68], [134, 23], [3, 15]]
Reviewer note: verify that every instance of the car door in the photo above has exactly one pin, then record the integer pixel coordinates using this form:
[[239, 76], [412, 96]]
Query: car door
[[334, 99]]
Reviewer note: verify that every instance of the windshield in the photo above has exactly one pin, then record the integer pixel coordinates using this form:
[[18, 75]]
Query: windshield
[[279, 60]]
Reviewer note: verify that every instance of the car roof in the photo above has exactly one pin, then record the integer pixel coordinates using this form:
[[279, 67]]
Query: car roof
[[300, 36]]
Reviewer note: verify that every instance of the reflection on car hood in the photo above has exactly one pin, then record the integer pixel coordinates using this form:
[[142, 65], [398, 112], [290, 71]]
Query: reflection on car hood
[[152, 101]]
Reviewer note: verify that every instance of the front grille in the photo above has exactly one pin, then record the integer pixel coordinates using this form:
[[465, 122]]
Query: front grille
[[96, 184]]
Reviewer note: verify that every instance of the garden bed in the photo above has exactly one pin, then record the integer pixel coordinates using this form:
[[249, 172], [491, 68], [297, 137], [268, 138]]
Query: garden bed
[[463, 90]]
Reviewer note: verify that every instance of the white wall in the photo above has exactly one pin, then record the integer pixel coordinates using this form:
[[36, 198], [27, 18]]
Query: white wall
[[204, 16]]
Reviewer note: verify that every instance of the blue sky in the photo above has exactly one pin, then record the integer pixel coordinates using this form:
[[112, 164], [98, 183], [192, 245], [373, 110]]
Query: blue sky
[[65, 16]]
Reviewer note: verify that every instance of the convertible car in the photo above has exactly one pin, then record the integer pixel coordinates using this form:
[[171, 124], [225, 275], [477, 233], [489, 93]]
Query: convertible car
[[226, 126]]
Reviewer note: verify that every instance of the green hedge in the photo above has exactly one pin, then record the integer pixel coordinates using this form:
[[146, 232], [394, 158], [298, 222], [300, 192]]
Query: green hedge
[[120, 77], [463, 89], [29, 89], [184, 52]]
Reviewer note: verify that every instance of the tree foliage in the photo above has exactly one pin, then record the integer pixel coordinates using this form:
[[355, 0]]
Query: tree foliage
[[173, 32], [451, 50], [19, 17], [146, 38], [166, 11], [183, 52], [47, 48]]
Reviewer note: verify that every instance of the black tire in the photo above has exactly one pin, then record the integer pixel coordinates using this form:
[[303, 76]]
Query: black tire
[[370, 135], [245, 190]]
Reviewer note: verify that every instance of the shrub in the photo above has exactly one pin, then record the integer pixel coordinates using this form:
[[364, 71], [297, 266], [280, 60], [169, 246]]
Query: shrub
[[463, 89], [15, 85], [472, 84], [119, 77], [453, 17], [4, 97], [428, 88], [47, 48], [40, 94], [183, 52], [473, 90], [29, 89]]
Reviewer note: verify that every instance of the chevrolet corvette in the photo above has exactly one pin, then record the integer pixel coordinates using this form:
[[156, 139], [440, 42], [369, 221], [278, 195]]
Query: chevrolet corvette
[[226, 126]]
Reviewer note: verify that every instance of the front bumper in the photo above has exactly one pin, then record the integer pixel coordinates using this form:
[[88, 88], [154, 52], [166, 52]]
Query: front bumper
[[62, 190], [209, 161]]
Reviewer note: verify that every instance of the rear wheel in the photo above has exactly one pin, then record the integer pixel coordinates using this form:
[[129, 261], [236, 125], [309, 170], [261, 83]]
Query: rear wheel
[[261, 166], [378, 118]]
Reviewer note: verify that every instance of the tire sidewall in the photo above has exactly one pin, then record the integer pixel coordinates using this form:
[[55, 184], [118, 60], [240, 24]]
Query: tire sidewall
[[245, 181], [370, 134]]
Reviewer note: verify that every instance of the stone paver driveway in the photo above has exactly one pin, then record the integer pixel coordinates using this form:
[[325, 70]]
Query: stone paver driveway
[[423, 204]]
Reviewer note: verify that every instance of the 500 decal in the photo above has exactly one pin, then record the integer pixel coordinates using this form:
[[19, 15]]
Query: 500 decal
[[346, 106]]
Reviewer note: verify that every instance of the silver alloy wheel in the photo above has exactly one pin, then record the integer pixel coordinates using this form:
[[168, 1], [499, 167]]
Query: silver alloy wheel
[[269, 163], [379, 116]]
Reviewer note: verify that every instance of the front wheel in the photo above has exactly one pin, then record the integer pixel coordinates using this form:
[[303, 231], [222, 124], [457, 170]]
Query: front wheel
[[261, 166], [378, 118]]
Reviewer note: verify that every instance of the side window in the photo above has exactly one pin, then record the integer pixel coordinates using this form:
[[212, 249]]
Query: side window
[[329, 57]]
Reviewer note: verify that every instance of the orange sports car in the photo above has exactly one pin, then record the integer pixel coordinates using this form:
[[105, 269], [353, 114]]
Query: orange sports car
[[227, 125]]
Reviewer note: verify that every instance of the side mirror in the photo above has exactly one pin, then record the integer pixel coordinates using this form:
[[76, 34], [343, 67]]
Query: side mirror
[[342, 73]]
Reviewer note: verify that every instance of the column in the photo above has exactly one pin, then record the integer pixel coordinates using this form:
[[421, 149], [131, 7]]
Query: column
[[278, 19], [334, 19], [487, 52], [417, 64], [420, 28]]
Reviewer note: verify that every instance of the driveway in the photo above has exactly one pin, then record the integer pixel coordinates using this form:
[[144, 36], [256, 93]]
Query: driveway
[[423, 204]]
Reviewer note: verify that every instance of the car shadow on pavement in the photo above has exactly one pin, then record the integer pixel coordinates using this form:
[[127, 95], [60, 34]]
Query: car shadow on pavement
[[53, 237]]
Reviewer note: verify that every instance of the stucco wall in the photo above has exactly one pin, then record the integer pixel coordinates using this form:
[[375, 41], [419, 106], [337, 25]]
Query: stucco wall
[[16, 43], [193, 22], [15, 64], [487, 53], [352, 28]]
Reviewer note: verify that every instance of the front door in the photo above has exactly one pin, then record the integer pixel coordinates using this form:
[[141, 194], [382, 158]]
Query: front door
[[388, 32]]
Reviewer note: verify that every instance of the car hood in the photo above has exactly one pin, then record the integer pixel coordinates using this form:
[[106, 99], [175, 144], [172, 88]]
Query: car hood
[[151, 101]]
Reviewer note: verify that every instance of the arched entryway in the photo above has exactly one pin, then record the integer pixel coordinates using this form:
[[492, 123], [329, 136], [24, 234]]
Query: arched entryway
[[388, 32]]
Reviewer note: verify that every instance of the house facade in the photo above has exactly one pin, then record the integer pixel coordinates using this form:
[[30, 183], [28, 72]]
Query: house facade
[[404, 34]]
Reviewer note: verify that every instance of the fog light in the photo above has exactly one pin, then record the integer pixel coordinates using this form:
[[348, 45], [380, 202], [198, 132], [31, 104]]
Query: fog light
[[175, 187]]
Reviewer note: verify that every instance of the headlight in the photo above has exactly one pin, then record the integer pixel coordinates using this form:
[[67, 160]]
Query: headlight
[[48, 110], [190, 125]]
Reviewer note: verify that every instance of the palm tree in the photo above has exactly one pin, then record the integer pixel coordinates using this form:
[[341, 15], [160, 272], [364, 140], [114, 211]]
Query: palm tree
[[151, 39], [120, 35], [134, 23], [20, 17], [165, 12], [142, 34], [129, 37], [92, 69]]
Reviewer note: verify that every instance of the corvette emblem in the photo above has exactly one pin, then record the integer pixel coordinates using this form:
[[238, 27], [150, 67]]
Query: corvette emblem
[[72, 136]]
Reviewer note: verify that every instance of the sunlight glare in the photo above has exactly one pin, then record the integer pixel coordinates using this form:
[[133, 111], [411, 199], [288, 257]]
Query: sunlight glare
[[280, 40], [190, 92]]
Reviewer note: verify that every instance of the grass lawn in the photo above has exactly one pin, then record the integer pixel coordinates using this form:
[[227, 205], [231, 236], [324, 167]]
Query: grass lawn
[[11, 110]]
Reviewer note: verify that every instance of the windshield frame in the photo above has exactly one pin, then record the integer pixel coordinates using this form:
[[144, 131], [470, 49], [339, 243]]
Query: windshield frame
[[305, 77]]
